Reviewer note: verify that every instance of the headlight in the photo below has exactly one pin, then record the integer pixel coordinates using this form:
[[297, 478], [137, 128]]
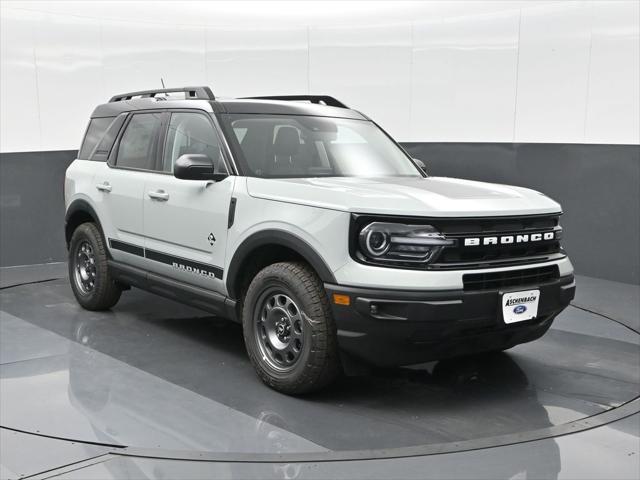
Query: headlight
[[395, 243]]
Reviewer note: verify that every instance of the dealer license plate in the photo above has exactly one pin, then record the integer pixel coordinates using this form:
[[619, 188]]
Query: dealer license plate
[[520, 306]]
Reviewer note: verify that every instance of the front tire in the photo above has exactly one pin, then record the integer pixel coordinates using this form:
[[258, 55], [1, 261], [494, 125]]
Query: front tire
[[91, 281], [289, 330]]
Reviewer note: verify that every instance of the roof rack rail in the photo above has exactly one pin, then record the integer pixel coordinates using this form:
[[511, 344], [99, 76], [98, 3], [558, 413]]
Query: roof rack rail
[[318, 99], [190, 93]]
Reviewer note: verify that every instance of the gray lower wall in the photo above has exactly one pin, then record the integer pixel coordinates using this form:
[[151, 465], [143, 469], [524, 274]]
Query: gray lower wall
[[597, 185], [32, 207]]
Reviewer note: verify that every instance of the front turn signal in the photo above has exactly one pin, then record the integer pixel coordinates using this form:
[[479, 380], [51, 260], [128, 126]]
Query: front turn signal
[[340, 299]]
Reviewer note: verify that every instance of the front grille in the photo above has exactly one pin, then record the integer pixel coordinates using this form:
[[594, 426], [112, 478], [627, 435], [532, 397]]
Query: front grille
[[459, 256], [467, 257], [529, 277]]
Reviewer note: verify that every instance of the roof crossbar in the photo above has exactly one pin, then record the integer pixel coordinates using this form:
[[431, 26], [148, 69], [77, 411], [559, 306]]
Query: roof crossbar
[[318, 99], [190, 93]]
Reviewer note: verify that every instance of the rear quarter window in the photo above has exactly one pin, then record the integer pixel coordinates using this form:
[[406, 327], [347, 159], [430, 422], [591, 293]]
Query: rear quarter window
[[102, 150], [95, 131]]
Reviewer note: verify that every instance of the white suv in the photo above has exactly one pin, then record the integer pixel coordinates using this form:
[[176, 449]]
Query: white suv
[[303, 220]]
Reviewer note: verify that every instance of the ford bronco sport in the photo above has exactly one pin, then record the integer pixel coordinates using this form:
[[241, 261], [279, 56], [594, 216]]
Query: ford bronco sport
[[306, 222]]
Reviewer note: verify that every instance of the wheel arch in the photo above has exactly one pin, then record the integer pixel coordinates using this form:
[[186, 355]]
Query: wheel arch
[[279, 243], [79, 212]]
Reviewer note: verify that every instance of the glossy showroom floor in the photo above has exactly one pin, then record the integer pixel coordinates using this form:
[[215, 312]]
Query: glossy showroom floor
[[157, 390]]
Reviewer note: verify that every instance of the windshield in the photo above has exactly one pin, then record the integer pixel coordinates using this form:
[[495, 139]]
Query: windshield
[[280, 146]]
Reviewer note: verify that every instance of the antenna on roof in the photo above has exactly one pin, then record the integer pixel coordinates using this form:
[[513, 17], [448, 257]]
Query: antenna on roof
[[162, 81]]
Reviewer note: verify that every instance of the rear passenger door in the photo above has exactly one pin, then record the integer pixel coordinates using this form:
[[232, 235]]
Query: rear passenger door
[[120, 185], [185, 221]]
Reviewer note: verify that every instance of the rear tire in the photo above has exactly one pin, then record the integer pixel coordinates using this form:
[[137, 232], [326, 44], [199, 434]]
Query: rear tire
[[289, 331], [89, 275]]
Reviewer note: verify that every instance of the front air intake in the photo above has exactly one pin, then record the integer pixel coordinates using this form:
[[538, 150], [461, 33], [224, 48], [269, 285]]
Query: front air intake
[[510, 278]]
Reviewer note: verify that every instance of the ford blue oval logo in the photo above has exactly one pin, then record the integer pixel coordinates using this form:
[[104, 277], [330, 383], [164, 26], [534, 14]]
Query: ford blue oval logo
[[519, 309]]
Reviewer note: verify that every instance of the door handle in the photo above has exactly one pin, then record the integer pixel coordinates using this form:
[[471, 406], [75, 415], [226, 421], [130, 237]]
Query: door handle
[[104, 187], [158, 195]]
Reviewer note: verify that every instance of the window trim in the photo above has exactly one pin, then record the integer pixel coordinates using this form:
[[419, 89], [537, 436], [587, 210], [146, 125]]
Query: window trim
[[227, 151]]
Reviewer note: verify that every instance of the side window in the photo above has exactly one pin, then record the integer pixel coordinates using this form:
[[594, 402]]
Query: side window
[[95, 131], [191, 133], [103, 148], [137, 147]]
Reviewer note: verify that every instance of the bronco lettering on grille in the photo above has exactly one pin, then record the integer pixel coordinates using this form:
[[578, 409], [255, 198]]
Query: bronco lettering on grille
[[509, 239]]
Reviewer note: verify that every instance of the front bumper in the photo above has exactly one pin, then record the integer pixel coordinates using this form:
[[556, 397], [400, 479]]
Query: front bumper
[[394, 327]]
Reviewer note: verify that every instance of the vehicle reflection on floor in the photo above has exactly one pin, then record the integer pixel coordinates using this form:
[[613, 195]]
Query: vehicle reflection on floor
[[96, 391], [155, 374]]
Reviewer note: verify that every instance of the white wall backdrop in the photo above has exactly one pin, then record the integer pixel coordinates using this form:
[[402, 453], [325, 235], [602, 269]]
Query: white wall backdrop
[[505, 71]]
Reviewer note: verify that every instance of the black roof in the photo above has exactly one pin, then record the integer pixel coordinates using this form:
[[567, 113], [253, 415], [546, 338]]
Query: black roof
[[286, 107], [203, 99]]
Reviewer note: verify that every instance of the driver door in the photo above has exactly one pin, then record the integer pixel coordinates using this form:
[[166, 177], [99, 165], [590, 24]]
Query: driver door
[[185, 221]]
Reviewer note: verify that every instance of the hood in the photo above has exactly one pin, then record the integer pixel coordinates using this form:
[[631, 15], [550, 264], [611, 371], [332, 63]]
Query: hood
[[429, 197]]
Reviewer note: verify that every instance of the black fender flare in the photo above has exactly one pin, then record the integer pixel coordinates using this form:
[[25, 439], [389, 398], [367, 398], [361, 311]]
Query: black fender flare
[[280, 238], [79, 205]]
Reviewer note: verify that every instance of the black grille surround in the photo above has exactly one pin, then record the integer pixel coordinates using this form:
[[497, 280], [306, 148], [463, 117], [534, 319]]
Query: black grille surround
[[461, 257]]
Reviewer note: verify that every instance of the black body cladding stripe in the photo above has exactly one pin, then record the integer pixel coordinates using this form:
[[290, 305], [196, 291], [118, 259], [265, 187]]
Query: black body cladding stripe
[[126, 247], [177, 262]]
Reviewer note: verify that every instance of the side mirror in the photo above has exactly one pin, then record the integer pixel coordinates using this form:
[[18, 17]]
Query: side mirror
[[421, 164], [196, 166]]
